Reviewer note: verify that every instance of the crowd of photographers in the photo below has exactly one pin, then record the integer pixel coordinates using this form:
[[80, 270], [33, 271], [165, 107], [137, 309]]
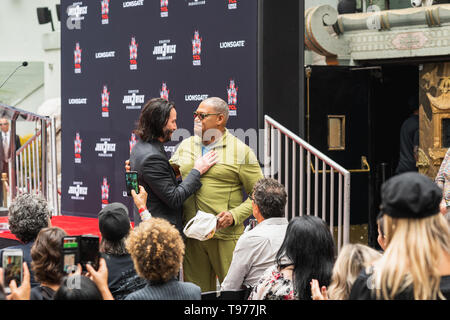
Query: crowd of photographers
[[276, 259]]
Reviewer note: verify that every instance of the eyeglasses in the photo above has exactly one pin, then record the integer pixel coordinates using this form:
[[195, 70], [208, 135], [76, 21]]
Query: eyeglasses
[[4, 124], [202, 116]]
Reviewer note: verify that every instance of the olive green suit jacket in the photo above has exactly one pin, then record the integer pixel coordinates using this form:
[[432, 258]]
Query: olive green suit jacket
[[237, 169]]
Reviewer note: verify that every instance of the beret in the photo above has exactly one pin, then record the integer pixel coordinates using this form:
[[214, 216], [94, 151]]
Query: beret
[[410, 195]]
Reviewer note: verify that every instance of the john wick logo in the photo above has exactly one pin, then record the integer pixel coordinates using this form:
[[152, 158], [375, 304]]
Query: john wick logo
[[164, 92], [105, 11], [77, 191], [105, 148], [232, 98], [77, 58], [133, 100], [164, 8], [133, 54], [196, 49], [77, 145], [133, 141], [105, 192], [232, 4], [164, 50], [105, 102]]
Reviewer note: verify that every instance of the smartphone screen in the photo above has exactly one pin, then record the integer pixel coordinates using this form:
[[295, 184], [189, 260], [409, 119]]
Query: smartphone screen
[[89, 251], [12, 266], [70, 254], [131, 179]]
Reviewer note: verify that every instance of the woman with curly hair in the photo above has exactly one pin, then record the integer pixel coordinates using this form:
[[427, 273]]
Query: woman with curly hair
[[28, 214], [157, 250], [46, 263]]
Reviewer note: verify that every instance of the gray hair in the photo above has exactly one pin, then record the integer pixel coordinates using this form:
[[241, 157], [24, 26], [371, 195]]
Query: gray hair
[[28, 214], [270, 197], [219, 105]]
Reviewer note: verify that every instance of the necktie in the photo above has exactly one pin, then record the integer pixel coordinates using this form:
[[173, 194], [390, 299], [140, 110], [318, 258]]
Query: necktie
[[5, 146]]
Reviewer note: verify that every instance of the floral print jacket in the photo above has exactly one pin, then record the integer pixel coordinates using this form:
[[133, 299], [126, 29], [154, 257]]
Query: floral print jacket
[[274, 284]]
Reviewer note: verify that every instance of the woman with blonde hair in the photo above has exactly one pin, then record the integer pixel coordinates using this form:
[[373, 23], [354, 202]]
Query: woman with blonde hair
[[416, 263], [351, 260]]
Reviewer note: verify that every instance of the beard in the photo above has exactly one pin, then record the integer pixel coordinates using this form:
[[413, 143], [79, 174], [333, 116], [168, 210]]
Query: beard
[[198, 129], [167, 135]]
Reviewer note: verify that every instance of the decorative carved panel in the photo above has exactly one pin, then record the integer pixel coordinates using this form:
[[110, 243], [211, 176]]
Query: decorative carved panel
[[434, 117]]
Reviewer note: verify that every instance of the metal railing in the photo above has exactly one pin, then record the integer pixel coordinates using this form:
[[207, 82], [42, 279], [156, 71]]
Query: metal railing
[[300, 192], [34, 171]]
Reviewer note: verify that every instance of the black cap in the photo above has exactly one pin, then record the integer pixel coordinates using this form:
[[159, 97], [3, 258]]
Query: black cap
[[113, 221], [410, 195]]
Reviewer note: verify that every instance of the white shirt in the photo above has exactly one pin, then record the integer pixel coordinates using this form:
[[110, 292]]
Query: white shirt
[[255, 251]]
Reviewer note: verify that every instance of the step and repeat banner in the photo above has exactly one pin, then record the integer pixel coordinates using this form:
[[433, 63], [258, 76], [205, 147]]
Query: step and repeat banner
[[116, 55]]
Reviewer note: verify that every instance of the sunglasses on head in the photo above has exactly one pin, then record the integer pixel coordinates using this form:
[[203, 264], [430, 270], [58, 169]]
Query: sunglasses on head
[[202, 116]]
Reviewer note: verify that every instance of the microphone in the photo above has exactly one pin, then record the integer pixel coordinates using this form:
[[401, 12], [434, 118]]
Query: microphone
[[24, 64]]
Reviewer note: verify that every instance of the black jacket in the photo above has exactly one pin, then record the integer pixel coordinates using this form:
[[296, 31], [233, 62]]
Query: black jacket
[[155, 174]]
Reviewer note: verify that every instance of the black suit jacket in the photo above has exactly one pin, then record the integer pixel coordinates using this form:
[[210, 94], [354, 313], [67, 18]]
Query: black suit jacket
[[4, 167], [155, 174]]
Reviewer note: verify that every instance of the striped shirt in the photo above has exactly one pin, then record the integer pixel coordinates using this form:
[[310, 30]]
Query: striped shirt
[[171, 290]]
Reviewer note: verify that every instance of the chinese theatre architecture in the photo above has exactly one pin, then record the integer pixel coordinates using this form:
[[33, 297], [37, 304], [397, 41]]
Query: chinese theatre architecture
[[371, 71]]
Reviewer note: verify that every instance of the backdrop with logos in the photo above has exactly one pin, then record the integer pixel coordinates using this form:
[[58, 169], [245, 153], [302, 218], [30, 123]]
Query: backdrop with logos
[[116, 55]]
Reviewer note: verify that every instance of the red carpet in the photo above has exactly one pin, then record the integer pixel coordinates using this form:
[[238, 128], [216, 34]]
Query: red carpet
[[72, 225]]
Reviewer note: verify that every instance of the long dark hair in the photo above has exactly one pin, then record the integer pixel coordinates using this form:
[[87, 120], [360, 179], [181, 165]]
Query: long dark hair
[[153, 119], [309, 246]]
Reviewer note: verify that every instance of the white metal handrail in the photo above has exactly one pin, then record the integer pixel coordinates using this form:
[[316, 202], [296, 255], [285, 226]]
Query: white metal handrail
[[33, 172], [273, 132]]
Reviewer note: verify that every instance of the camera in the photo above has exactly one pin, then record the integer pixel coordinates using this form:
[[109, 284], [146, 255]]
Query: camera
[[82, 250]]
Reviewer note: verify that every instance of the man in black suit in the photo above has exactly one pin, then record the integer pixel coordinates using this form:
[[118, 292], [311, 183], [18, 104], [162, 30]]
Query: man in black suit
[[5, 149], [156, 124]]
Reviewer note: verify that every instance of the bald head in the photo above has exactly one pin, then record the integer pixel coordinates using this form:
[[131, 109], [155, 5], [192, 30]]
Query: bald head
[[219, 106]]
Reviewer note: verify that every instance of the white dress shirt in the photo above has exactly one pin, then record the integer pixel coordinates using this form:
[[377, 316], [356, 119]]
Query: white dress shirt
[[255, 251]]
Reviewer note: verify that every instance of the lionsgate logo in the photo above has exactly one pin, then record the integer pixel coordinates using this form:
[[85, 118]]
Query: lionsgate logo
[[133, 53], [135, 3], [77, 58], [77, 101], [164, 92], [232, 44], [196, 3], [133, 100], [105, 11], [232, 98], [106, 54], [164, 8], [195, 97], [77, 146], [105, 148], [232, 4], [196, 49], [165, 50], [77, 192], [105, 192], [76, 12], [105, 102]]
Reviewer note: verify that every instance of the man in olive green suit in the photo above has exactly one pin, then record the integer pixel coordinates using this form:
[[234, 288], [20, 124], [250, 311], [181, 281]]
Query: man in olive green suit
[[220, 194]]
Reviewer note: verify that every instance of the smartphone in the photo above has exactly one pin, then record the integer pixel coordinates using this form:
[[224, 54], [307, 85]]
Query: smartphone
[[89, 251], [80, 250], [12, 265], [131, 179], [70, 254]]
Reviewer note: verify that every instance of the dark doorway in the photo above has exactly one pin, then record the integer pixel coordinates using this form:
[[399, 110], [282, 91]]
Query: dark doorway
[[392, 89], [374, 103]]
